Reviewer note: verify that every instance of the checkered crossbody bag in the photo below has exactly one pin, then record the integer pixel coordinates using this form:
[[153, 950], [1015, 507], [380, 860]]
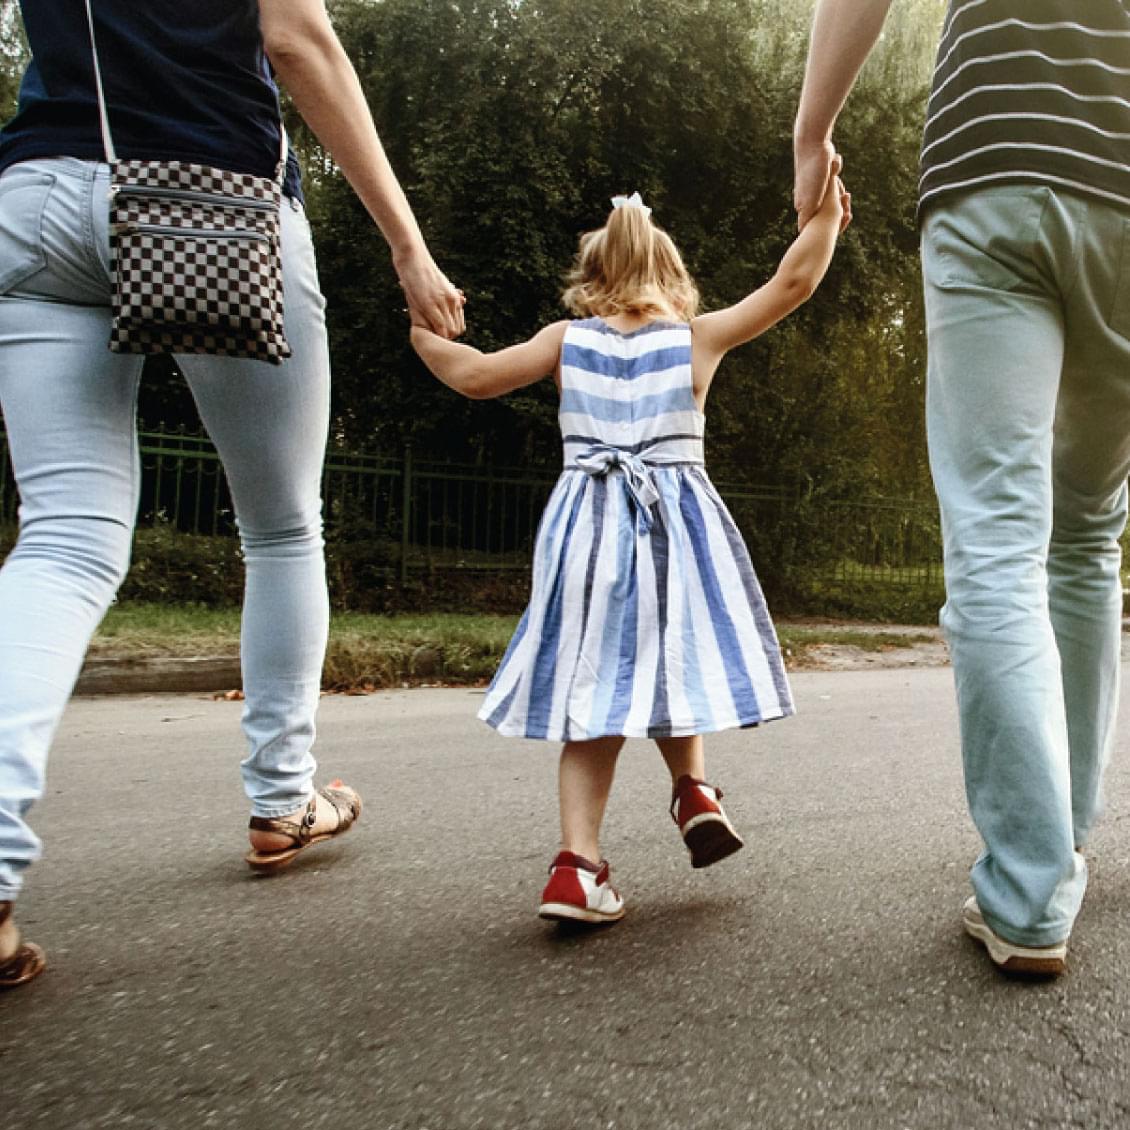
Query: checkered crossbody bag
[[195, 252]]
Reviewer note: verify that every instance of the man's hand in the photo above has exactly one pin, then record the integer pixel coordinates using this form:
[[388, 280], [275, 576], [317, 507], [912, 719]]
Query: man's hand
[[814, 165]]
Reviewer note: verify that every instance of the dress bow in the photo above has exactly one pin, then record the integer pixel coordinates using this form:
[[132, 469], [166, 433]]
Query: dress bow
[[599, 460]]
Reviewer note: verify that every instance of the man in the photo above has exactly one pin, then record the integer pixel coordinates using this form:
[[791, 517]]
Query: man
[[1025, 229]]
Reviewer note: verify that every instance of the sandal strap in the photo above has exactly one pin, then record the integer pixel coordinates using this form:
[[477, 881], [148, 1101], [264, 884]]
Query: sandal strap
[[25, 965], [343, 801], [298, 830], [693, 781], [27, 962], [14, 969]]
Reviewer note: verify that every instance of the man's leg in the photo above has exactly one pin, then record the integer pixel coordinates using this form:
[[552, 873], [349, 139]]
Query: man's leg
[[1091, 460], [996, 342]]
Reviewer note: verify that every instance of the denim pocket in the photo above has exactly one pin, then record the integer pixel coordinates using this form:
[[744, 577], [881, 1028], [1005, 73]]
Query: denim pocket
[[1119, 319], [23, 196], [985, 239]]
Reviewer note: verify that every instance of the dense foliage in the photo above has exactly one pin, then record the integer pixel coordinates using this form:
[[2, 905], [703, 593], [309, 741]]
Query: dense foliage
[[511, 123]]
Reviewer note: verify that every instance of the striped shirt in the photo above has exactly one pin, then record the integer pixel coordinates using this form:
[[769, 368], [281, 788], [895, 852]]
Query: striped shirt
[[1031, 90]]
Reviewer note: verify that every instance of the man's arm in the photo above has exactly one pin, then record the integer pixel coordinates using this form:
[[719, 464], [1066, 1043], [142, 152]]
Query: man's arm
[[311, 63], [843, 33]]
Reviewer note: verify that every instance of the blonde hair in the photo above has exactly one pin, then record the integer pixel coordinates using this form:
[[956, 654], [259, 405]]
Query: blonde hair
[[630, 266]]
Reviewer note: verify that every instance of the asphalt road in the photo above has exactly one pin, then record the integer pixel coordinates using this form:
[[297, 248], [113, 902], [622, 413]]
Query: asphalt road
[[399, 978]]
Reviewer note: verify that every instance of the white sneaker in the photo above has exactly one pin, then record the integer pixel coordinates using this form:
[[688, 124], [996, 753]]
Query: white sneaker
[[1040, 961]]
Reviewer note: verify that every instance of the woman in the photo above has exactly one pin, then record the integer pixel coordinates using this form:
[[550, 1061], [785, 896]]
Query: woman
[[187, 82]]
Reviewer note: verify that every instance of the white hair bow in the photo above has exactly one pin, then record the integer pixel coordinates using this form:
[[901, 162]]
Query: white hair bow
[[633, 201]]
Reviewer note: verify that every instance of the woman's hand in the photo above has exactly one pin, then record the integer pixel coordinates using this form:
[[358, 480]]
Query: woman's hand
[[432, 300], [311, 63]]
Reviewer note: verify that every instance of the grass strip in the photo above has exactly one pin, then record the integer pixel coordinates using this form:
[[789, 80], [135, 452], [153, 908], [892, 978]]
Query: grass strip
[[365, 652], [370, 652]]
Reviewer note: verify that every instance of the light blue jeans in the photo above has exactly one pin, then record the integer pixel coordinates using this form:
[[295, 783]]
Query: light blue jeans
[[69, 406], [1028, 415]]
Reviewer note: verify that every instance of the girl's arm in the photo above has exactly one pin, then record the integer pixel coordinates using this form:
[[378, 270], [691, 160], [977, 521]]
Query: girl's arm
[[483, 375], [800, 272], [311, 63]]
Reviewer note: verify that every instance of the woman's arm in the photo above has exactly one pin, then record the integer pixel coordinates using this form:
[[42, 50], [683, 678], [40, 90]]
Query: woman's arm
[[483, 375], [795, 280], [311, 63]]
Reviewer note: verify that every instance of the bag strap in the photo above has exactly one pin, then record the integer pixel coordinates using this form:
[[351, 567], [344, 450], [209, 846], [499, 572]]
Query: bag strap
[[104, 117]]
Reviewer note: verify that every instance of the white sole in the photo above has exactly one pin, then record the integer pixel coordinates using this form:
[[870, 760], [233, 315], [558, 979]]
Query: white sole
[[566, 912], [708, 818], [710, 838], [1039, 961]]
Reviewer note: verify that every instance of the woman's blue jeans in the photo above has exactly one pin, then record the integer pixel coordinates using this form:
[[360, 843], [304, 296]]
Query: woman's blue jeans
[[69, 407], [1028, 415]]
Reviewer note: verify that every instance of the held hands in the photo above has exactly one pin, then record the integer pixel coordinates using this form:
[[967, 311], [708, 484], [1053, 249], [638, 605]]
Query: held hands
[[432, 301], [835, 201], [814, 162], [818, 168]]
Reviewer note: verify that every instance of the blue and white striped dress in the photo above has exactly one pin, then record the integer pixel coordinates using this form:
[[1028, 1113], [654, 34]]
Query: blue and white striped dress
[[645, 616]]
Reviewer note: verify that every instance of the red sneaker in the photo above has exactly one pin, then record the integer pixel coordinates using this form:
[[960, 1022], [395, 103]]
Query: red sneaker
[[707, 832], [579, 890]]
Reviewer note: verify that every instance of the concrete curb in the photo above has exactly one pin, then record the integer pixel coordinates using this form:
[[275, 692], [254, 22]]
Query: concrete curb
[[159, 675]]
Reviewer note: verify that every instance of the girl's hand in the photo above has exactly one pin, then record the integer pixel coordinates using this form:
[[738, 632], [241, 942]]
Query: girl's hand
[[837, 201], [432, 301]]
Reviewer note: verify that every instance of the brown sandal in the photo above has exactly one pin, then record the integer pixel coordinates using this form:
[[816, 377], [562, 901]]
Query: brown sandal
[[25, 964], [347, 804]]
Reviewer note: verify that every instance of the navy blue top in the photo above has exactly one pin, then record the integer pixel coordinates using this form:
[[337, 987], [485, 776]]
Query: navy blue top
[[185, 80]]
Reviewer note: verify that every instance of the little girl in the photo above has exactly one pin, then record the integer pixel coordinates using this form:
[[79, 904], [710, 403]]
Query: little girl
[[645, 617]]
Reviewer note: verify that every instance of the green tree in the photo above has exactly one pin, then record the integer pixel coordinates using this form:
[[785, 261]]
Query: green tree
[[13, 56], [511, 124]]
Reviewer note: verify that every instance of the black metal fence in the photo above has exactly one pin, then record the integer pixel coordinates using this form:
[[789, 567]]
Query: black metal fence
[[434, 516]]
